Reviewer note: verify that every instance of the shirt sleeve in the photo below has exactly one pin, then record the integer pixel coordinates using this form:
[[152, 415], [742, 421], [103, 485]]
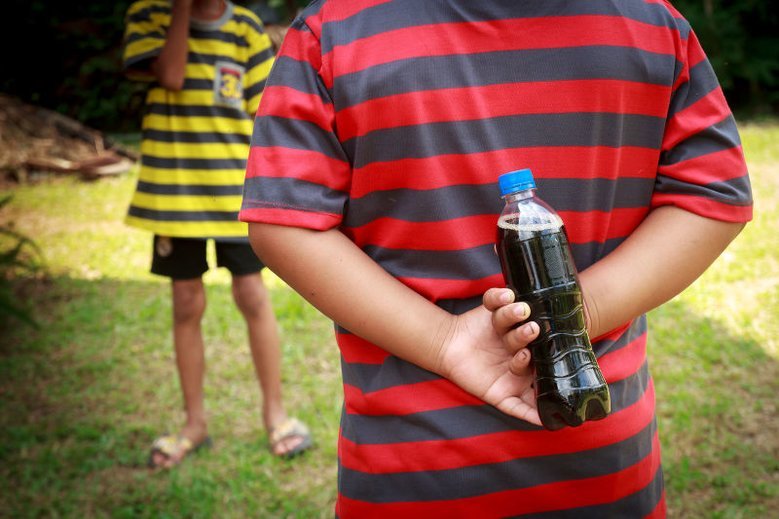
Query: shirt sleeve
[[702, 167], [297, 172], [144, 36]]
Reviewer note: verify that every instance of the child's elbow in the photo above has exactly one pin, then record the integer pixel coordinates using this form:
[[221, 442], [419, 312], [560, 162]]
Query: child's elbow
[[167, 78], [171, 83]]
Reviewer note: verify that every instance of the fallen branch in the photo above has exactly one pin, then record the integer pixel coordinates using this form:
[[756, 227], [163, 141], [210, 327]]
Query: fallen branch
[[37, 139], [106, 164]]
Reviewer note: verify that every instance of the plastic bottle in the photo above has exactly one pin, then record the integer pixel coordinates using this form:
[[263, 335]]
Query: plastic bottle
[[538, 266]]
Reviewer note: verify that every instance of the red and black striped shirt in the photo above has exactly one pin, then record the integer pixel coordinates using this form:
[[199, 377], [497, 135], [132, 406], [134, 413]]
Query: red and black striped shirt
[[392, 120]]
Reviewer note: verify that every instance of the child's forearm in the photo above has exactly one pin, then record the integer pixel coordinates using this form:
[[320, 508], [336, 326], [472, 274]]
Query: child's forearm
[[170, 66], [663, 256], [335, 276]]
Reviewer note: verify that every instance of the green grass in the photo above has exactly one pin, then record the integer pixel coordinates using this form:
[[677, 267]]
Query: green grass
[[82, 396]]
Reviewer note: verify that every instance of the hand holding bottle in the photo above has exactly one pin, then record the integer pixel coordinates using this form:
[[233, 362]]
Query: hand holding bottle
[[485, 353]]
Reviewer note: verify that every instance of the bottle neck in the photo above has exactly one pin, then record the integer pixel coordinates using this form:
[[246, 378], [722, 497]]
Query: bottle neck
[[516, 196]]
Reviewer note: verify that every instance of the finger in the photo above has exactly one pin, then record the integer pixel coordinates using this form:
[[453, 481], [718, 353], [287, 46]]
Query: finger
[[519, 407], [519, 338], [520, 363], [509, 316], [495, 298]]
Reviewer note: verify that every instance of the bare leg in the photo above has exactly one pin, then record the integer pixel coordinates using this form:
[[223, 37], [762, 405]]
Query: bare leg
[[189, 304], [253, 301]]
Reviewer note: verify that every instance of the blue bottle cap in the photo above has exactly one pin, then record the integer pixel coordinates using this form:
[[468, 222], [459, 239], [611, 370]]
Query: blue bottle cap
[[514, 181]]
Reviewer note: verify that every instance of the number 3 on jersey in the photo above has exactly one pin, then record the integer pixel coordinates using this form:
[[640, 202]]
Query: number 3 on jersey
[[228, 85]]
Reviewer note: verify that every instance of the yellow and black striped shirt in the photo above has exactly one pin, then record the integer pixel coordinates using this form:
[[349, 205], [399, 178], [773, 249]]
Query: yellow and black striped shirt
[[196, 140]]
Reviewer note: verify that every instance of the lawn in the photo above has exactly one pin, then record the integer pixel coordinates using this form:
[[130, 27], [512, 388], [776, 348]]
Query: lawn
[[83, 394]]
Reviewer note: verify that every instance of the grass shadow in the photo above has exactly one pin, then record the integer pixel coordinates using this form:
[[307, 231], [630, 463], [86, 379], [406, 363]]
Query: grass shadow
[[716, 401], [84, 395]]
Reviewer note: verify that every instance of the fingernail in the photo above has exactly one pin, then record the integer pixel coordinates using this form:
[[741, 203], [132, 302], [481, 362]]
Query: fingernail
[[521, 311], [506, 297], [530, 329]]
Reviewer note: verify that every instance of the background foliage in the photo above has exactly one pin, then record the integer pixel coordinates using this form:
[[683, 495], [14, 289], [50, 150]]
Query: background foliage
[[740, 38], [66, 55]]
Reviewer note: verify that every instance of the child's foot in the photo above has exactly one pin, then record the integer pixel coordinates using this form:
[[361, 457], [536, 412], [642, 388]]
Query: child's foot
[[289, 438], [169, 450]]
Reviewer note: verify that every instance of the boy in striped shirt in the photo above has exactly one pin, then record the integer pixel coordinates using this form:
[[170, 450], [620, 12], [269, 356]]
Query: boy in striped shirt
[[371, 188], [207, 61]]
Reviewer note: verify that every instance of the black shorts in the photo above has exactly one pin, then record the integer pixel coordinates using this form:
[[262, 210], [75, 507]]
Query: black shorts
[[185, 258]]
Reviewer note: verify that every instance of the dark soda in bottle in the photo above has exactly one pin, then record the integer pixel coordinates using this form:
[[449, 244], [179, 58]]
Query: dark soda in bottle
[[538, 266]]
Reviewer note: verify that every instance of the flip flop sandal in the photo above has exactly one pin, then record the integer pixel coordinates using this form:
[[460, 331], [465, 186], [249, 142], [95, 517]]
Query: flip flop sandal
[[171, 446], [290, 428]]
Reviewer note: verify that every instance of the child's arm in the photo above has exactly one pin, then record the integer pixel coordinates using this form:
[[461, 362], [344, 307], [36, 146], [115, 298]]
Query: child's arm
[[169, 68], [663, 256], [334, 275]]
